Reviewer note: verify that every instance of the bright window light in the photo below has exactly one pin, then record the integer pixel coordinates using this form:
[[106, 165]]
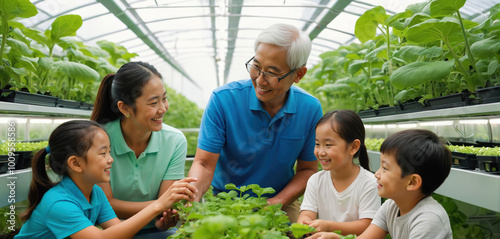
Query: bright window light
[[392, 126], [406, 126], [368, 126], [4, 120], [41, 121], [60, 121], [379, 126], [473, 121], [494, 121], [436, 123]]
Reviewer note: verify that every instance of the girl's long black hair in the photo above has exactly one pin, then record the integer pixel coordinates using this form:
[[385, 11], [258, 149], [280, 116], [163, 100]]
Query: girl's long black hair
[[71, 138]]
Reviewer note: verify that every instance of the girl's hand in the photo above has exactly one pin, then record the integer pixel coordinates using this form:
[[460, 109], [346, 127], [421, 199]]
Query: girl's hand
[[179, 190], [324, 235], [319, 225], [167, 220]]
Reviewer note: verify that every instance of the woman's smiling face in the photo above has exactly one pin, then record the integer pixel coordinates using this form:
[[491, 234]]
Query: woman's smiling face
[[151, 106]]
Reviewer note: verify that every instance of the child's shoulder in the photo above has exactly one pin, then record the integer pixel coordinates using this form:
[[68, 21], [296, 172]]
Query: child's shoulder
[[430, 205]]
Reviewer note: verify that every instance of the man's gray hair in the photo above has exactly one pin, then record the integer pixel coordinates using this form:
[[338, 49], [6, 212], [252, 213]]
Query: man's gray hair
[[296, 43]]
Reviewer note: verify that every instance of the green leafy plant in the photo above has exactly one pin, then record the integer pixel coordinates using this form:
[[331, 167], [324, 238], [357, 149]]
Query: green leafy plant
[[52, 62], [424, 52], [234, 214], [373, 144], [23, 146]]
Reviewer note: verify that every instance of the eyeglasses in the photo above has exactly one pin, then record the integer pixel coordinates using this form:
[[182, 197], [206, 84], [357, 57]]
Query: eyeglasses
[[269, 77]]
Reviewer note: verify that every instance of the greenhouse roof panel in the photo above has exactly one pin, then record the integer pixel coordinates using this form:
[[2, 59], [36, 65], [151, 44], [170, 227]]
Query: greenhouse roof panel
[[202, 44]]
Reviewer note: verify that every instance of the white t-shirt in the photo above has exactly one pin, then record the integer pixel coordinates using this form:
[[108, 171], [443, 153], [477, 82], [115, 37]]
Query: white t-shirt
[[427, 219], [360, 200]]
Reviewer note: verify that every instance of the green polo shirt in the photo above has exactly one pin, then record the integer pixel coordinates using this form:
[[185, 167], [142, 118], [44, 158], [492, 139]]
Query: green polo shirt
[[138, 179]]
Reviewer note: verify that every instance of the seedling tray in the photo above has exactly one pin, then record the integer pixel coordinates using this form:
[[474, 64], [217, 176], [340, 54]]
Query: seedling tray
[[464, 160], [68, 104], [28, 98], [449, 101], [489, 95], [24, 160], [489, 163], [4, 162]]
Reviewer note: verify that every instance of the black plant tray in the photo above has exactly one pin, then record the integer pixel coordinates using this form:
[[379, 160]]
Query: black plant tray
[[68, 104], [489, 95], [24, 160], [367, 113], [27, 98], [464, 160], [4, 162], [412, 106], [389, 110], [449, 101], [489, 163], [86, 106]]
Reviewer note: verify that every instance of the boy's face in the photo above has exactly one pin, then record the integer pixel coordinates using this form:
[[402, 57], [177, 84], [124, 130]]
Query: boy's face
[[390, 183]]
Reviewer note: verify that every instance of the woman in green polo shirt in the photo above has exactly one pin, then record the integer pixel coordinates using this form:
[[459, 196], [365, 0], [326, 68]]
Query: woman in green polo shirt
[[149, 155]]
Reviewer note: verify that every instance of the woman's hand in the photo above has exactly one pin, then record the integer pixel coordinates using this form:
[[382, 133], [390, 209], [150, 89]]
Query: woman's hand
[[179, 190], [167, 219]]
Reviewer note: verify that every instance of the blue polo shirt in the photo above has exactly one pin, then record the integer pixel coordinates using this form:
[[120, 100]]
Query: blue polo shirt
[[255, 148], [64, 210]]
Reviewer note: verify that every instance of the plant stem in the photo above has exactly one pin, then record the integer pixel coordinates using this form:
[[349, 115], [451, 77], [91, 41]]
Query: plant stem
[[5, 31], [467, 45], [388, 50], [457, 59]]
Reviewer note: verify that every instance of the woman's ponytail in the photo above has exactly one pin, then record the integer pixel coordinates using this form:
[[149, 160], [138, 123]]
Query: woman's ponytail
[[105, 108], [40, 183]]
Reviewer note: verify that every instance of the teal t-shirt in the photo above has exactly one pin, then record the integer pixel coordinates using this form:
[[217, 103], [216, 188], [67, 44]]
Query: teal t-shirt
[[64, 211], [139, 179]]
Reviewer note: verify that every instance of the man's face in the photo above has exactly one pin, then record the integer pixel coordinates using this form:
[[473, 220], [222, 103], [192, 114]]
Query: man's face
[[272, 59]]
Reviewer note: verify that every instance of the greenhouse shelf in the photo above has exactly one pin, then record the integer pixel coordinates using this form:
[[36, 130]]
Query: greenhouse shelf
[[480, 109], [473, 187], [19, 181], [45, 110]]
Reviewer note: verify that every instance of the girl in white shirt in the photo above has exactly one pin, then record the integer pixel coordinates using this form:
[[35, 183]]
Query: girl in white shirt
[[344, 195]]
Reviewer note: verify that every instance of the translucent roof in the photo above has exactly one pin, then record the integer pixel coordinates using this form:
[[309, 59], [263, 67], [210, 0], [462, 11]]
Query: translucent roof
[[199, 45]]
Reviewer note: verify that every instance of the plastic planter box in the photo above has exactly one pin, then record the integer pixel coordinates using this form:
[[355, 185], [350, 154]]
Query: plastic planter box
[[28, 98], [24, 160], [489, 95], [489, 163], [4, 162], [449, 101], [464, 160], [367, 113], [68, 104]]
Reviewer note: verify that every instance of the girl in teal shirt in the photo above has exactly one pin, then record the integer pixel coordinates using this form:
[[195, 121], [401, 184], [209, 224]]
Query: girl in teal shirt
[[79, 152]]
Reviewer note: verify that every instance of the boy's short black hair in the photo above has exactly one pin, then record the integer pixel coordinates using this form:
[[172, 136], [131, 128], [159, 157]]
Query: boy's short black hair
[[421, 152]]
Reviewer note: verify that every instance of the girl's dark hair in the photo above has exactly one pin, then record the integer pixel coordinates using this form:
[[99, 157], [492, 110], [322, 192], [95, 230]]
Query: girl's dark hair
[[349, 127], [71, 138], [126, 85], [421, 152]]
